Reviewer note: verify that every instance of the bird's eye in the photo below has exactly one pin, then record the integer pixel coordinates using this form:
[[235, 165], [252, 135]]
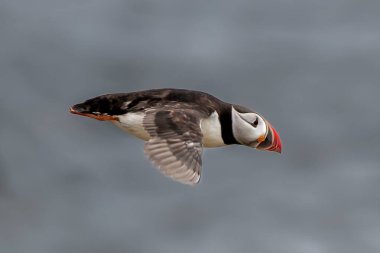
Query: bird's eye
[[256, 122]]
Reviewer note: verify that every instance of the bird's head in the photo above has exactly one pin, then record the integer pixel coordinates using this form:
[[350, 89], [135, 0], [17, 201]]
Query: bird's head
[[106, 107], [251, 129]]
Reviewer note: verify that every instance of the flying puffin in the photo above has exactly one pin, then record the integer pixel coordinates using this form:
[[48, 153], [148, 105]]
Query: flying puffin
[[177, 124]]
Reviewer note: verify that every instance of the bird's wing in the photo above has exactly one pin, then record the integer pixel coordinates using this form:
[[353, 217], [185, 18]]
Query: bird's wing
[[175, 146]]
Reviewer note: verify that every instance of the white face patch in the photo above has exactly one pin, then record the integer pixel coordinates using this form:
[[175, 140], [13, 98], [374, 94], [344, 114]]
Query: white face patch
[[133, 124], [244, 130], [212, 131]]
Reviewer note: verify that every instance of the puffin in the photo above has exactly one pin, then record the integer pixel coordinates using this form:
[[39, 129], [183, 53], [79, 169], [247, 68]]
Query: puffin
[[176, 124]]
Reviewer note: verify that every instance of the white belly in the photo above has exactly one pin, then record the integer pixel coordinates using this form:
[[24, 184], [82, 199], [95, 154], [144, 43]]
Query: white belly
[[133, 124], [212, 131], [210, 127]]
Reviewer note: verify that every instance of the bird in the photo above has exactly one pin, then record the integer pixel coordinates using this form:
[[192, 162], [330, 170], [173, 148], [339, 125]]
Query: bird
[[176, 124]]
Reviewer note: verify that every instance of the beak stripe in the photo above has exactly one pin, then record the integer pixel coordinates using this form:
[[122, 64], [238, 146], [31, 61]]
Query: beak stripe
[[276, 145]]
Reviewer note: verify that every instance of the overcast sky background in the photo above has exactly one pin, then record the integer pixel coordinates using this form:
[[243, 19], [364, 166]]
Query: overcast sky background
[[72, 184]]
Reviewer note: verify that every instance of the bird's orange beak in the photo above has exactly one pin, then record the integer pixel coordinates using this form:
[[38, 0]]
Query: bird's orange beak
[[91, 115], [271, 142], [276, 145]]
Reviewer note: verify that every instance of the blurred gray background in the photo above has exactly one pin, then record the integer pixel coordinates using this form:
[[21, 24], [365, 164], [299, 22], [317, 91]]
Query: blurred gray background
[[72, 184]]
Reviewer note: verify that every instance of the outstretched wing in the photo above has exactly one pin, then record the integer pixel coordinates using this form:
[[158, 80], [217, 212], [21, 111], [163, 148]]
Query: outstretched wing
[[175, 146]]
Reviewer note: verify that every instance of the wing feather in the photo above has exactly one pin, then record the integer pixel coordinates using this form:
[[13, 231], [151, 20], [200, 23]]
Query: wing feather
[[176, 143]]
